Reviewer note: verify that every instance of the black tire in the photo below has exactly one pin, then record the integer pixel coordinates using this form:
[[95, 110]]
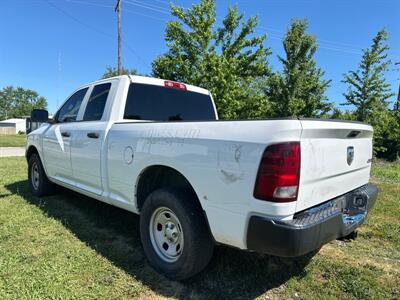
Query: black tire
[[198, 245], [40, 185]]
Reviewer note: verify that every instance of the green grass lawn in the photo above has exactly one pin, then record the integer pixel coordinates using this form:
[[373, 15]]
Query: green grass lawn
[[70, 246], [12, 140]]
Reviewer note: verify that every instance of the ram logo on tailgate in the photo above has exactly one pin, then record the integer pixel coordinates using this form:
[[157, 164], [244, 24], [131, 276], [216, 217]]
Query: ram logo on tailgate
[[350, 155]]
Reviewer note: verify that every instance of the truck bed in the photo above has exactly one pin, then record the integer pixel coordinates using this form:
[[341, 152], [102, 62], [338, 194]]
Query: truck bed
[[221, 158]]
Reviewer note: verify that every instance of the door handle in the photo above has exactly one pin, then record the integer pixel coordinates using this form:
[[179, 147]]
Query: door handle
[[65, 134], [93, 135]]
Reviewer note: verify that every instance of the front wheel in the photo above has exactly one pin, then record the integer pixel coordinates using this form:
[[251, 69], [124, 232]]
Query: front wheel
[[38, 181], [174, 233]]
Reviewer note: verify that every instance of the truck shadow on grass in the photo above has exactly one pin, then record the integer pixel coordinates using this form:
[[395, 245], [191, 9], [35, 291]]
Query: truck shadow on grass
[[114, 233]]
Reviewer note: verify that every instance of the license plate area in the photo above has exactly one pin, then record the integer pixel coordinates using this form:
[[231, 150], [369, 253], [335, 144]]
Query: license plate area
[[354, 208]]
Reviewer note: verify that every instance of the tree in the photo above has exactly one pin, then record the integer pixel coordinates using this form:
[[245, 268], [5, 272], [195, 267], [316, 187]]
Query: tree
[[341, 115], [367, 89], [299, 90], [386, 125], [391, 138], [228, 60], [369, 92], [112, 72], [19, 102]]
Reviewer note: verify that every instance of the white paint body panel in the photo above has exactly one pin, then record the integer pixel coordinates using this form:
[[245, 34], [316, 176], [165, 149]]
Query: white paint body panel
[[57, 152], [86, 156], [220, 159]]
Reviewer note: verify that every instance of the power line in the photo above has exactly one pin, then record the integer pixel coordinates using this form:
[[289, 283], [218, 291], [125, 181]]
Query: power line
[[77, 20], [89, 3], [278, 35], [164, 9], [320, 46], [341, 44], [164, 2], [110, 6], [333, 47], [144, 15], [91, 27], [139, 4]]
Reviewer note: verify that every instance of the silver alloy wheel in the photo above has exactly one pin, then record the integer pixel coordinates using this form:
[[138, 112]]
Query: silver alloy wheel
[[35, 175], [166, 234]]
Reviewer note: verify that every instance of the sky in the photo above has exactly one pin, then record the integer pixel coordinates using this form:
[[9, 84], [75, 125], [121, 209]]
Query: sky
[[54, 46]]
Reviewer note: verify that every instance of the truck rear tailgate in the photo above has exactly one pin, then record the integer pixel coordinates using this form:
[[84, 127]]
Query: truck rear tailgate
[[335, 159]]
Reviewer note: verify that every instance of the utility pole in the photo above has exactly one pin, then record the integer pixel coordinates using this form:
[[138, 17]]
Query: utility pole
[[397, 104], [118, 11]]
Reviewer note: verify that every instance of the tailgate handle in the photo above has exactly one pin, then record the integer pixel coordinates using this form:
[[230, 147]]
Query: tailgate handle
[[353, 134]]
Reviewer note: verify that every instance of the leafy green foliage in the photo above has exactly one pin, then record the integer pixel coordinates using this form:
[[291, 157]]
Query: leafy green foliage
[[232, 62], [369, 92], [112, 72], [228, 61], [19, 102], [341, 115], [387, 135], [299, 90]]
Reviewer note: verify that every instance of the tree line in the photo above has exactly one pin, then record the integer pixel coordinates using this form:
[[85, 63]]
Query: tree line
[[17, 102], [232, 61]]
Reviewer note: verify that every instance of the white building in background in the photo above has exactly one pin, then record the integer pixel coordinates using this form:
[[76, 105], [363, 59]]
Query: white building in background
[[12, 126]]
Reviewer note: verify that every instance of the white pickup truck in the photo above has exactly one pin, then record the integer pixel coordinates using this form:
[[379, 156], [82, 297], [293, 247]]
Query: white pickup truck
[[156, 148]]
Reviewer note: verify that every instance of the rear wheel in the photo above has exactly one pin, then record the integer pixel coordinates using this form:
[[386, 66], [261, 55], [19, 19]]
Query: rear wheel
[[166, 234], [174, 233], [39, 184]]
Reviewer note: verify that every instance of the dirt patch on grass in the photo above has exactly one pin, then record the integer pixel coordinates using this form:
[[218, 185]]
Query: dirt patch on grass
[[360, 260]]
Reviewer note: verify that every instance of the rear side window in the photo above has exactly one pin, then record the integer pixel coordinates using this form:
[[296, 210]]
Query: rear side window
[[159, 103], [69, 110], [97, 101]]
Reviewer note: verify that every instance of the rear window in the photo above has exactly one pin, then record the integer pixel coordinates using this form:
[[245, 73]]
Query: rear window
[[159, 103]]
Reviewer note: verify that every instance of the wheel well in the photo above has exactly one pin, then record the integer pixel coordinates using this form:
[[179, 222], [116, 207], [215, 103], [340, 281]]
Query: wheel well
[[156, 177], [31, 150]]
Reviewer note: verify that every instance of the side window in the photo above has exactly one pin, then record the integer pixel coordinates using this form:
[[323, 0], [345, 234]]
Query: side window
[[97, 101], [69, 110]]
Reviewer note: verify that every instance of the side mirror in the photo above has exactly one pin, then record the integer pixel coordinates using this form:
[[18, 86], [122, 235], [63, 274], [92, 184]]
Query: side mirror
[[39, 115]]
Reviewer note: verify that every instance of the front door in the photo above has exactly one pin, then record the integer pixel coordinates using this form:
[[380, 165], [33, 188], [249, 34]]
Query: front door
[[88, 141], [57, 139]]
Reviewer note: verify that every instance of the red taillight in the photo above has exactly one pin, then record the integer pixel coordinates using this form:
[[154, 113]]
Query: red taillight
[[175, 85], [279, 173]]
